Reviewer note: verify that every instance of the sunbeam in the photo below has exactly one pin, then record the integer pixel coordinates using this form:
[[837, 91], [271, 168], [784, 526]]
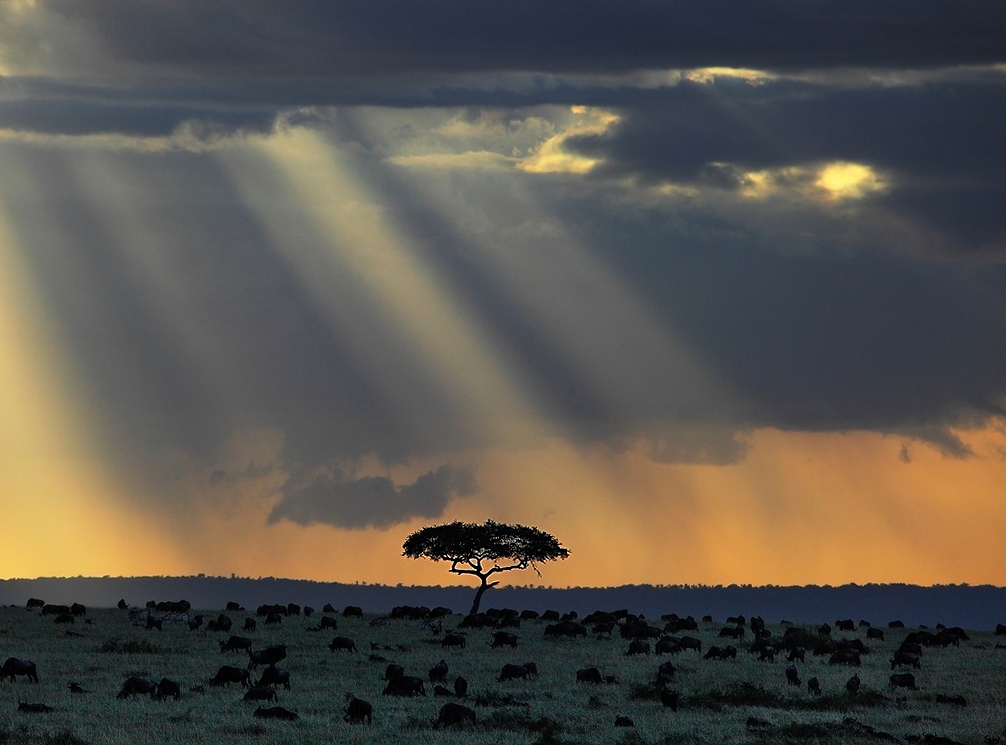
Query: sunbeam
[[56, 488], [363, 265]]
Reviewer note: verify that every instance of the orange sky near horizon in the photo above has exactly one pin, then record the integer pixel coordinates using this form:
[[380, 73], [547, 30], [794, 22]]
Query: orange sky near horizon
[[800, 509]]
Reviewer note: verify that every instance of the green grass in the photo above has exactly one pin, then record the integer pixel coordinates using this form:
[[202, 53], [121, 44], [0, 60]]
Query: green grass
[[717, 697]]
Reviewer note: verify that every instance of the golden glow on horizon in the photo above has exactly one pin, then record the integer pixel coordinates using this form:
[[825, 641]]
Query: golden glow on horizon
[[801, 509]]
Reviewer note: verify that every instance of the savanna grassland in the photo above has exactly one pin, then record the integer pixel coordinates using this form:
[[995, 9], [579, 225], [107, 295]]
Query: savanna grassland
[[740, 700]]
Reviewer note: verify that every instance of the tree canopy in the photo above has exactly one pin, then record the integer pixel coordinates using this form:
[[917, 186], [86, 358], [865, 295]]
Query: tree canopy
[[479, 549]]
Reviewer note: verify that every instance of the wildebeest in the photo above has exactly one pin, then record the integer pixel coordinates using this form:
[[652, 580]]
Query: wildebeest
[[235, 644], [352, 611], [460, 687], [665, 672], [529, 615], [227, 675], [453, 640], [513, 672], [638, 646], [955, 700], [792, 676], [276, 712], [76, 609], [327, 622], [233, 607], [734, 632], [589, 675], [64, 618], [268, 610], [357, 710], [438, 673], [906, 659], [393, 671], [34, 603], [669, 698], [413, 613], [1000, 628], [668, 645], [852, 684], [690, 642], [168, 688], [443, 691], [896, 625], [550, 615], [195, 622], [54, 610], [814, 686], [173, 606], [76, 687], [477, 621], [250, 624], [902, 680], [566, 628], [718, 653], [845, 657], [327, 608], [33, 708], [260, 693], [135, 686], [268, 656], [453, 713], [874, 633], [342, 642], [405, 685], [14, 666], [623, 721], [846, 624], [121, 605], [504, 639], [220, 623], [274, 676], [796, 653]]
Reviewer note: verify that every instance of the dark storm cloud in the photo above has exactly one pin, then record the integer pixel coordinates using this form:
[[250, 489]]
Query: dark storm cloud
[[941, 143], [372, 501], [379, 37], [826, 339], [75, 117]]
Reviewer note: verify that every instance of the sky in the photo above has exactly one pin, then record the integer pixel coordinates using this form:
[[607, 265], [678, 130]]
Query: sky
[[714, 292]]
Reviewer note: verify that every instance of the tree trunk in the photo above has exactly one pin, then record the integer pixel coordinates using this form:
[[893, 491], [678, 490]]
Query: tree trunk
[[478, 596]]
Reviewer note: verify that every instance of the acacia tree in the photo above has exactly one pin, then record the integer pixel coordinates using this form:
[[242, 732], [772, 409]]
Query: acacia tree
[[479, 549]]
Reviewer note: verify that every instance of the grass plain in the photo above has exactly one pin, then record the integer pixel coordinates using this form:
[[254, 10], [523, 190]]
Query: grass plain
[[730, 701]]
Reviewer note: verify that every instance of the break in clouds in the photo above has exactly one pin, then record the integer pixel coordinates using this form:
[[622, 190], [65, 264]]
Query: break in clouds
[[813, 242]]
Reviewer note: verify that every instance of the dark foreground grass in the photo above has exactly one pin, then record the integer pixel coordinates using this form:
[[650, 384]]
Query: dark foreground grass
[[722, 702]]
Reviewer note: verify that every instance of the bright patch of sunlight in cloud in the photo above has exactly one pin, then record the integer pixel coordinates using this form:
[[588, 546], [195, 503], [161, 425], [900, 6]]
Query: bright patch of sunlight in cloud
[[848, 180], [706, 75], [551, 155], [837, 181]]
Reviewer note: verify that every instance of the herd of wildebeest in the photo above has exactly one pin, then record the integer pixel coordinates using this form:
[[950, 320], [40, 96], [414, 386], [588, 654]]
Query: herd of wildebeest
[[261, 673]]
